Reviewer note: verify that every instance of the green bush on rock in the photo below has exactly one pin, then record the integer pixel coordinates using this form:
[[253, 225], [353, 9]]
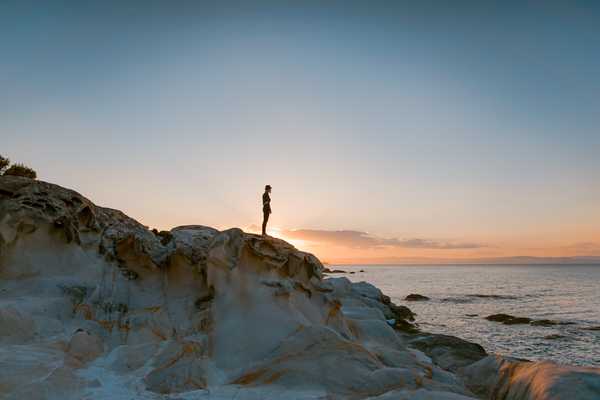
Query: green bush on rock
[[16, 169], [21, 170]]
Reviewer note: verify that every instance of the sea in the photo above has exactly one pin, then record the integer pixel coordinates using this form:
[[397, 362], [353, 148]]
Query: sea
[[461, 296]]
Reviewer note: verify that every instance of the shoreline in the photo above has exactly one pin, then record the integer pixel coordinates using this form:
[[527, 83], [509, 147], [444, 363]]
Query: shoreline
[[550, 330]]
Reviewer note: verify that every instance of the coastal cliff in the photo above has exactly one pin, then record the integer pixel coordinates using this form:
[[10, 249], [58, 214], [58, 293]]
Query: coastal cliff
[[94, 305]]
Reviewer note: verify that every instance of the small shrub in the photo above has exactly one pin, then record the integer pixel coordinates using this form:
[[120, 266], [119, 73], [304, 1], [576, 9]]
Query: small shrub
[[21, 170], [4, 163]]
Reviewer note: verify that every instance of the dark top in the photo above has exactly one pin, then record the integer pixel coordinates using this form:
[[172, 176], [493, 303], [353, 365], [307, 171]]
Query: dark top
[[266, 202]]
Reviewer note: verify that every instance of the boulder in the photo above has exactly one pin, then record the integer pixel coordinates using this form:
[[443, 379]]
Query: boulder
[[507, 319], [416, 297], [449, 352], [402, 312]]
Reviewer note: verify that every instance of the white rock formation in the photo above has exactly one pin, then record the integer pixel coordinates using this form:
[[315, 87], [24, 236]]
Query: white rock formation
[[93, 305]]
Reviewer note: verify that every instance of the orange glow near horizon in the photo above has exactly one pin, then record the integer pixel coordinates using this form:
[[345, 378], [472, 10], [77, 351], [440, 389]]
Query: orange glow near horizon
[[347, 253]]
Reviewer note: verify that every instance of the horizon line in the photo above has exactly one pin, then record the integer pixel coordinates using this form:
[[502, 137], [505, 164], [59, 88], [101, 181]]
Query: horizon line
[[510, 260]]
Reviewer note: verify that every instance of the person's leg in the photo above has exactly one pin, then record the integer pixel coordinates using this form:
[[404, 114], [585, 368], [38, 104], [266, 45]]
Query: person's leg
[[265, 220]]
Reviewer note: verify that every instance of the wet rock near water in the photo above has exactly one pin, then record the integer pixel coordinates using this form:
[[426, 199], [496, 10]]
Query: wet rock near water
[[508, 319], [402, 312], [334, 271], [449, 352], [416, 297]]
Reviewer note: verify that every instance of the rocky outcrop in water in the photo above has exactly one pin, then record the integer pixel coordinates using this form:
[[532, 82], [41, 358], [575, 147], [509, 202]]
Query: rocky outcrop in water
[[507, 319], [93, 305], [416, 297]]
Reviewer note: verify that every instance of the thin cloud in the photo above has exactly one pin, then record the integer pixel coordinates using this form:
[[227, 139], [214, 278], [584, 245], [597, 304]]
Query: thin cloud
[[362, 240], [584, 248]]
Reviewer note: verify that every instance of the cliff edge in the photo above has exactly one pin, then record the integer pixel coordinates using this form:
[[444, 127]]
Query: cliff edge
[[94, 305]]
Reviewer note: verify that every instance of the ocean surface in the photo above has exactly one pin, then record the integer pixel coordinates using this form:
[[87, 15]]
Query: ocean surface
[[461, 296]]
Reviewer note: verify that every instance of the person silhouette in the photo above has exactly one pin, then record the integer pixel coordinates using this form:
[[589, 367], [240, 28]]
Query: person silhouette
[[266, 201]]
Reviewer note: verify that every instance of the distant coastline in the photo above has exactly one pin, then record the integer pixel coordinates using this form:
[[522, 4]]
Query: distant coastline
[[519, 260]]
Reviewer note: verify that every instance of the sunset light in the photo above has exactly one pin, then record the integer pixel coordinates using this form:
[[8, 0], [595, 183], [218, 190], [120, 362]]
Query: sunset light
[[299, 200]]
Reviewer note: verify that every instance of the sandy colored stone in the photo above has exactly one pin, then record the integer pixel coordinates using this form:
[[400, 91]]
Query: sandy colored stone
[[94, 305]]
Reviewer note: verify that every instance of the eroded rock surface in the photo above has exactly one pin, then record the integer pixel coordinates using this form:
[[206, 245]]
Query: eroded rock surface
[[497, 377], [94, 305]]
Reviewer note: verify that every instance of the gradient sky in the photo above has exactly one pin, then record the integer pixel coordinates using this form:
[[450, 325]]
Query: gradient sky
[[387, 129]]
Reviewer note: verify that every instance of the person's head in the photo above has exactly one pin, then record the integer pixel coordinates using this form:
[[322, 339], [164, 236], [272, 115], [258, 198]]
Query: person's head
[[268, 188]]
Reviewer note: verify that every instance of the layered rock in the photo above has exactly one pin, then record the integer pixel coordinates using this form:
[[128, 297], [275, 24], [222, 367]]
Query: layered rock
[[95, 305]]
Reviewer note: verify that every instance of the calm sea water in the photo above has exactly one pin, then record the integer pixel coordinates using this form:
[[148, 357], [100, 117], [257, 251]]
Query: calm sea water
[[461, 296]]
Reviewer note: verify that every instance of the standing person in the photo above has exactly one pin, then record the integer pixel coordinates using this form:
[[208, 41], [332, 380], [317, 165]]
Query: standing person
[[266, 201]]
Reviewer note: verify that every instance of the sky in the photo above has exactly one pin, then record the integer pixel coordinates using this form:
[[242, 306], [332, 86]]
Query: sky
[[389, 130]]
